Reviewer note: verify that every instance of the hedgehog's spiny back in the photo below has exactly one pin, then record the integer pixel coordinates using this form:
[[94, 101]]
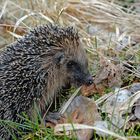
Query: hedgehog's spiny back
[[23, 62], [51, 36], [25, 72]]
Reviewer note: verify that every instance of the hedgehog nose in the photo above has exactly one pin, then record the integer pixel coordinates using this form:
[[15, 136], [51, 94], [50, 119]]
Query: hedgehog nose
[[89, 81]]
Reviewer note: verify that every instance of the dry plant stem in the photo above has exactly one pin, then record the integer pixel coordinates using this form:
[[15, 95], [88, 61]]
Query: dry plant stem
[[69, 101], [47, 110], [136, 74], [68, 127], [3, 9], [106, 96], [10, 25], [130, 102]]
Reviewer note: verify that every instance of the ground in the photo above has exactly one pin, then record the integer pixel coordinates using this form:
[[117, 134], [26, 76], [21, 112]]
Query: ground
[[110, 33]]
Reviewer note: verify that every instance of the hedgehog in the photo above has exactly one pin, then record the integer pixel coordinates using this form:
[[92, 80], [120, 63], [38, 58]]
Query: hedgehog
[[35, 68]]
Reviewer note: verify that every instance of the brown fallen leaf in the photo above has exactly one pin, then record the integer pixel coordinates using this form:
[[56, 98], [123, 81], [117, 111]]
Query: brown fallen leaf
[[92, 89], [83, 106], [109, 74], [82, 110]]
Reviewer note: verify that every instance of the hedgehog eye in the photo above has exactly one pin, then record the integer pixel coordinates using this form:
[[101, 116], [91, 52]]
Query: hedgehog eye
[[59, 58], [70, 63]]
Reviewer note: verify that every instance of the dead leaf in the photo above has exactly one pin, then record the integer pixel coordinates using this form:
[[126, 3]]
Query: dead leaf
[[137, 109], [82, 110], [122, 103], [135, 87], [92, 89], [109, 74], [113, 104]]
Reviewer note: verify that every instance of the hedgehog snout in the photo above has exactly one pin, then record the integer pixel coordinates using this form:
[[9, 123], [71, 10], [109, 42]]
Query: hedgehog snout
[[89, 80]]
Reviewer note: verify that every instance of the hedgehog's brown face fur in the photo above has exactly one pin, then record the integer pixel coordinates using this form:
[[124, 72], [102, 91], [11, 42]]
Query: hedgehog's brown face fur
[[69, 58], [64, 60], [74, 67]]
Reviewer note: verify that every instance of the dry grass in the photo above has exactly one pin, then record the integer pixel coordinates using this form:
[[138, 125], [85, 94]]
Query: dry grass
[[105, 27], [101, 22]]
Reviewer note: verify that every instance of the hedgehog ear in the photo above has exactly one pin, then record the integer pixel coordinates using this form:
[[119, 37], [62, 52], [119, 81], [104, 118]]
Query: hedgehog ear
[[59, 58]]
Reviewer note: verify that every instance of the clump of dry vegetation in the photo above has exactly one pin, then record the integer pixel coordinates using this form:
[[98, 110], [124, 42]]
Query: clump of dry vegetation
[[110, 33]]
